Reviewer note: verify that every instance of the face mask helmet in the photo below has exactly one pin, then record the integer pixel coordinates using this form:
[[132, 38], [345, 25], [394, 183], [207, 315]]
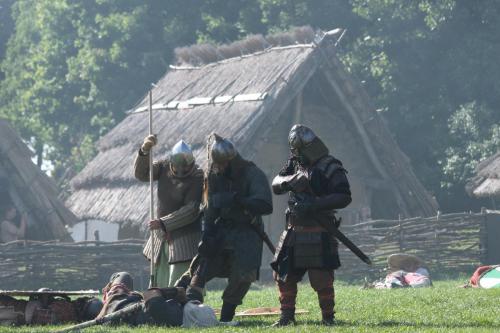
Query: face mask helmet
[[305, 145]]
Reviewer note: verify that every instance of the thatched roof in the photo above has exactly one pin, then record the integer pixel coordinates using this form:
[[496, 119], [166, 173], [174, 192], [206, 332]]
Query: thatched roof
[[23, 184], [240, 98], [486, 182]]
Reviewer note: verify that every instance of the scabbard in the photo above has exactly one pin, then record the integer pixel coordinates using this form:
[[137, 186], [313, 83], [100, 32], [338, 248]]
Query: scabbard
[[282, 261], [263, 235]]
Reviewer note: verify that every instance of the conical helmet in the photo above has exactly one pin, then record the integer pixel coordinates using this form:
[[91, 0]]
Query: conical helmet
[[221, 150], [181, 156]]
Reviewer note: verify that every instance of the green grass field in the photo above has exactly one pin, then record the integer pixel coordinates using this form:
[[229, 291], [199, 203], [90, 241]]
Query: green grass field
[[442, 308]]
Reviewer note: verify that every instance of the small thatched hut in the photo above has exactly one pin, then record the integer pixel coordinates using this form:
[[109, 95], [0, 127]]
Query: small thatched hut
[[253, 91], [30, 190], [486, 182]]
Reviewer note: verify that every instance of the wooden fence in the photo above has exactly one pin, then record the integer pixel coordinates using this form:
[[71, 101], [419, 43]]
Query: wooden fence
[[70, 266], [451, 243], [447, 243]]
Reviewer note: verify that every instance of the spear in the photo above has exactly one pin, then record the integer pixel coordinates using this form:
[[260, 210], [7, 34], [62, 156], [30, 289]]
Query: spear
[[152, 277], [107, 318]]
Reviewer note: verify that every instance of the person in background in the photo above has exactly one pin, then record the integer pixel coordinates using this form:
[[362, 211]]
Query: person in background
[[9, 229]]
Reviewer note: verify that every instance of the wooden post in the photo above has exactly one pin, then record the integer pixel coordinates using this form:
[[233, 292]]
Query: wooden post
[[401, 246], [86, 230], [483, 237]]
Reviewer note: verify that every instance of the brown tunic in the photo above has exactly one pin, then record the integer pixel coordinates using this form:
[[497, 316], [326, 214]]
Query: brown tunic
[[173, 194]]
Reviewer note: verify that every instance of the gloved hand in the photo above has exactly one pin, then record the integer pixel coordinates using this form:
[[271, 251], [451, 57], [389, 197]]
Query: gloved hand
[[286, 186], [223, 199], [148, 143], [289, 167]]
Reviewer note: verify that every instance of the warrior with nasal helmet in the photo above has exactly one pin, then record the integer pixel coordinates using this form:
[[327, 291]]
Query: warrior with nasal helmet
[[180, 187]]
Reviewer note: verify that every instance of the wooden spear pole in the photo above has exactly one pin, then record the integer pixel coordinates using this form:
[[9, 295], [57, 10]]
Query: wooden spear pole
[[152, 280]]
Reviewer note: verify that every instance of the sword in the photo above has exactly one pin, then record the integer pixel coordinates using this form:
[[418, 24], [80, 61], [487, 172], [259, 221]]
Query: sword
[[346, 241], [301, 183]]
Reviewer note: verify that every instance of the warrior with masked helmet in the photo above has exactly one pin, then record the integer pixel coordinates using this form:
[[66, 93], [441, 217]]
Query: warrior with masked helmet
[[317, 185]]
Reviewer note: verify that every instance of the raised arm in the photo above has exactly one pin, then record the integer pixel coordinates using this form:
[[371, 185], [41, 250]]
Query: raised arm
[[141, 164]]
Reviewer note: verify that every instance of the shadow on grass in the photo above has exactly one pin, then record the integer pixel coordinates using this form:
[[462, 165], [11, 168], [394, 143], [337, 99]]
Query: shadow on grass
[[254, 323], [392, 323], [395, 323]]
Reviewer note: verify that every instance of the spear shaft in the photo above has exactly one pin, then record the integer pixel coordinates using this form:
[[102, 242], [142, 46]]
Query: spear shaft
[[152, 280]]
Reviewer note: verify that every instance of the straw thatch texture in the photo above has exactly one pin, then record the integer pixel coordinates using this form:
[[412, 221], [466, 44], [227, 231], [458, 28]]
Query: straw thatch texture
[[202, 54], [31, 190], [106, 189], [486, 182]]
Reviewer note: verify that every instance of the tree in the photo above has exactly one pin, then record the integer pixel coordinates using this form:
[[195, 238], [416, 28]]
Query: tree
[[73, 68], [6, 27]]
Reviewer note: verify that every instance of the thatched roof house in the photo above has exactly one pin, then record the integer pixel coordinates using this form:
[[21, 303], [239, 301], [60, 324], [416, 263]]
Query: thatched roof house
[[253, 91], [486, 182], [30, 190]]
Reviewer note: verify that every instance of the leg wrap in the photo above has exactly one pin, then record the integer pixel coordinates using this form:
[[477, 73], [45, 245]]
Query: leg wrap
[[326, 302], [322, 283], [288, 294]]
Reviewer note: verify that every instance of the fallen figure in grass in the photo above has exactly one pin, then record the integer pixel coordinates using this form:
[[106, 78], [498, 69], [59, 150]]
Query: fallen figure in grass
[[47, 307], [405, 271], [167, 307]]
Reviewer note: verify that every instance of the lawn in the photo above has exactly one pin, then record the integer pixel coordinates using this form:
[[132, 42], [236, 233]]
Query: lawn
[[442, 308]]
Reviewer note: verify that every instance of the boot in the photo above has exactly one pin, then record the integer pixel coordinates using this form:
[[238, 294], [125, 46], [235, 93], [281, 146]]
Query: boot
[[328, 319], [287, 318], [183, 282], [227, 312], [194, 294]]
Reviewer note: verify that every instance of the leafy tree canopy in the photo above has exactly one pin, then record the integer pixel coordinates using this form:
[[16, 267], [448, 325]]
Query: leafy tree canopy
[[70, 68]]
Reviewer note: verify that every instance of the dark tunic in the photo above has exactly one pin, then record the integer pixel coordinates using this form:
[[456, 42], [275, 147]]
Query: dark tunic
[[255, 199], [173, 194], [305, 243]]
